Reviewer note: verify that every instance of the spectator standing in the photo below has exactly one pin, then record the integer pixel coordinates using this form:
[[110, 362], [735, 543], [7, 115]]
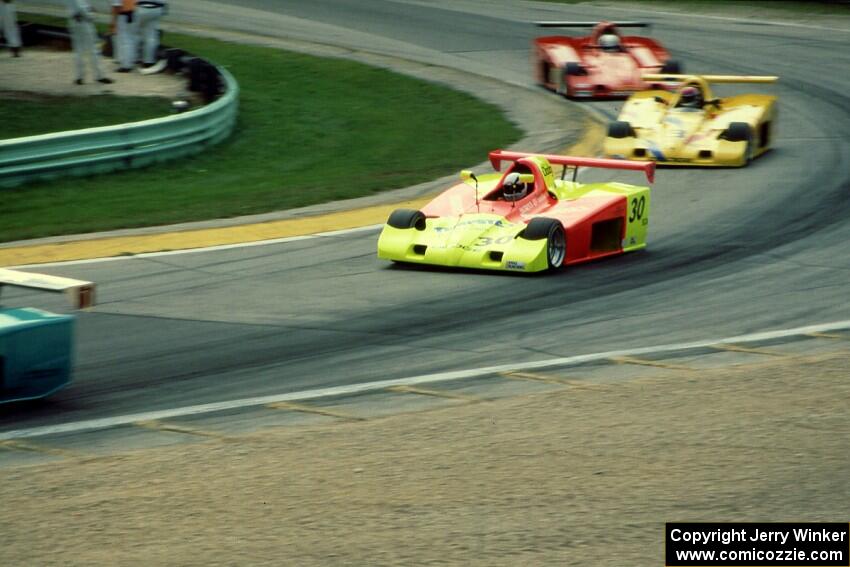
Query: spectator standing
[[84, 40], [150, 12], [125, 24], [9, 17]]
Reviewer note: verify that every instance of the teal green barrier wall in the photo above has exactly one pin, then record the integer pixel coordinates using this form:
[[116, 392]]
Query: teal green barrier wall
[[99, 150]]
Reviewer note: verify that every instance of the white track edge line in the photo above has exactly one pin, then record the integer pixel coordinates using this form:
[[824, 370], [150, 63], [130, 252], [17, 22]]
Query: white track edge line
[[250, 244], [107, 422]]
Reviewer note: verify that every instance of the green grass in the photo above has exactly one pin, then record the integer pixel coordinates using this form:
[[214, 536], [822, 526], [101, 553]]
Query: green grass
[[56, 113], [310, 130]]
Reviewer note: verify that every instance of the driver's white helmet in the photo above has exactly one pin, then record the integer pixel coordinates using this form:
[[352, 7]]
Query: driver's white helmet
[[513, 188], [609, 42]]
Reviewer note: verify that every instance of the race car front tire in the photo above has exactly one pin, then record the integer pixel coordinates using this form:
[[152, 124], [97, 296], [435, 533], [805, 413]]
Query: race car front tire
[[574, 68], [620, 129], [556, 240], [407, 218], [570, 70]]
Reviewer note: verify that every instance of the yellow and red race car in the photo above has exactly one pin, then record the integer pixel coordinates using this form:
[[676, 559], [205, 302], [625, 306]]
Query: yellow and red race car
[[604, 64], [524, 220], [691, 126]]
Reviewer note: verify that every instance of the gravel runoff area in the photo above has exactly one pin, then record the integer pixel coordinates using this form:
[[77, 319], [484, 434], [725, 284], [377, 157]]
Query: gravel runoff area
[[48, 71], [586, 476]]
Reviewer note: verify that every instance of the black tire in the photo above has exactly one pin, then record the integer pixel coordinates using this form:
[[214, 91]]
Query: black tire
[[574, 68], [765, 134], [738, 132], [556, 241], [620, 129], [570, 70], [748, 153], [174, 57], [544, 71], [672, 67], [407, 218]]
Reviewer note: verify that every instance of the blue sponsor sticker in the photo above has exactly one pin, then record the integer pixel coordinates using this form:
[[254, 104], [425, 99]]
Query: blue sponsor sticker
[[655, 150]]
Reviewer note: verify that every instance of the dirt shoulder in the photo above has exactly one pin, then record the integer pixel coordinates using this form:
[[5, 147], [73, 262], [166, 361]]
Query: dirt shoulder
[[586, 476], [48, 71]]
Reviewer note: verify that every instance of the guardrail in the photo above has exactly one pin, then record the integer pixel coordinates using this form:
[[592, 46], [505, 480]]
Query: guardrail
[[136, 144]]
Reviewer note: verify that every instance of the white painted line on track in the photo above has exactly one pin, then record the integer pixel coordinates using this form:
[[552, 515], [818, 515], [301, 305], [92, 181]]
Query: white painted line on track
[[220, 247], [205, 249], [114, 421], [72, 262], [350, 230]]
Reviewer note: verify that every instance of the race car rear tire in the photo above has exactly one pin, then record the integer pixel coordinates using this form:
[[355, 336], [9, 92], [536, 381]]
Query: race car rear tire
[[556, 240], [407, 218], [672, 67], [738, 132], [620, 129]]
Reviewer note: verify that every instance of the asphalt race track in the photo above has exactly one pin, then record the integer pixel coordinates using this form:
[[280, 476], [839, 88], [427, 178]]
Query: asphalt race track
[[731, 250]]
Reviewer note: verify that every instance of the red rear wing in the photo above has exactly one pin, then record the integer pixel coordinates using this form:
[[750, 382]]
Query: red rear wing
[[648, 167]]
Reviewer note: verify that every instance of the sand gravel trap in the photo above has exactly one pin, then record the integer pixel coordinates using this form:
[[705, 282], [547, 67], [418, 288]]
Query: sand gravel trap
[[583, 477], [52, 72]]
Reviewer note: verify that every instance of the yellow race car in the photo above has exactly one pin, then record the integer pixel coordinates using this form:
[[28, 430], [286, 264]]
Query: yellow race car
[[692, 127]]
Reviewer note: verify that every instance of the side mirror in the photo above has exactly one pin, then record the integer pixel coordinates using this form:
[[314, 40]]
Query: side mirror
[[466, 175]]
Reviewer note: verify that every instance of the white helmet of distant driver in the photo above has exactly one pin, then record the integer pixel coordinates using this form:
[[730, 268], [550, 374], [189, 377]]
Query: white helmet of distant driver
[[609, 42]]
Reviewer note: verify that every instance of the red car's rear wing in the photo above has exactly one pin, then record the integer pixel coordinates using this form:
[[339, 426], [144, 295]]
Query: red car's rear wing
[[589, 24], [648, 167]]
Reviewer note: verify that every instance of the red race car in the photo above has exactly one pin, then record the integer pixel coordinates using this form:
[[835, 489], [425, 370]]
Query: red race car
[[524, 220], [604, 64]]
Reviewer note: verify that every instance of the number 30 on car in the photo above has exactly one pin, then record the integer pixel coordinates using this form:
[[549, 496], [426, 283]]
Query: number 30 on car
[[526, 219]]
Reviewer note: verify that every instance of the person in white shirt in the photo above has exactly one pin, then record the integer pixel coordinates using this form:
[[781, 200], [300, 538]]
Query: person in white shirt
[[126, 44], [150, 12], [9, 18], [84, 40]]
